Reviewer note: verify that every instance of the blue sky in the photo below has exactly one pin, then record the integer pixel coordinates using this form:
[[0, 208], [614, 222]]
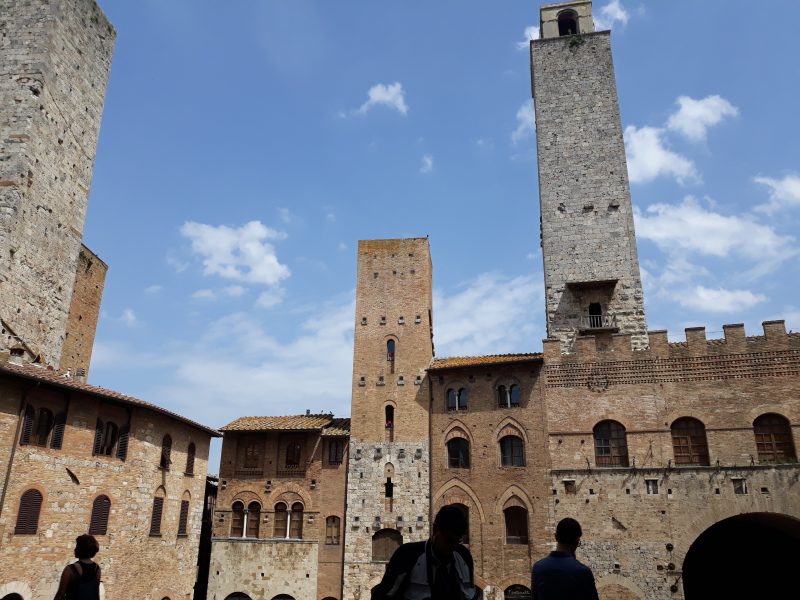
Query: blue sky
[[247, 146]]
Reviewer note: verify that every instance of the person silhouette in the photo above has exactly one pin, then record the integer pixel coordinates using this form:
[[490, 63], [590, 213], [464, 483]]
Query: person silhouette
[[81, 580], [560, 575]]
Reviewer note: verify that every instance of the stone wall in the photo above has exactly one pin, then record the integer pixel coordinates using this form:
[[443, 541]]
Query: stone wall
[[84, 310], [71, 478], [56, 56], [588, 240]]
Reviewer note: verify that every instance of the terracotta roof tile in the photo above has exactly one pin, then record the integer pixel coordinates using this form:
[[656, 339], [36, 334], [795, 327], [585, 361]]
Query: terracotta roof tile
[[337, 428], [46, 375], [280, 423], [454, 362]]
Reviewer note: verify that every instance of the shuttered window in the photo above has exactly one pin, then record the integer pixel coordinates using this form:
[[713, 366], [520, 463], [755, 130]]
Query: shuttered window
[[253, 517], [332, 527], [166, 451], [190, 459], [296, 522], [122, 446], [281, 520], [27, 425], [98, 523], [774, 439], [184, 518], [237, 519], [44, 425], [58, 431], [155, 520], [28, 516], [98, 438]]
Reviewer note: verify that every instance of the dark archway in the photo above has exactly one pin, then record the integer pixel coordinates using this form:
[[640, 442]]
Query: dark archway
[[238, 596], [747, 556], [12, 597], [517, 592]]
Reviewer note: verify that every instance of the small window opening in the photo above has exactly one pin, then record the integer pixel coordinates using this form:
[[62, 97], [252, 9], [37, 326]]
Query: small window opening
[[652, 487], [568, 23], [569, 486], [739, 486], [390, 422], [595, 315]]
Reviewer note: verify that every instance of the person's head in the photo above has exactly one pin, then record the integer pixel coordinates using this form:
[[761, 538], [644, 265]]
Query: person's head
[[568, 534], [449, 527], [86, 546]]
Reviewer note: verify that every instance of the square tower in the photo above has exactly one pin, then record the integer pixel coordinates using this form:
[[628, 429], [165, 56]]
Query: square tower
[[591, 267], [388, 481]]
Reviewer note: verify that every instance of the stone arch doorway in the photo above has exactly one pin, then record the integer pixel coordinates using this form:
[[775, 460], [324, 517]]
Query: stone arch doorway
[[12, 597], [752, 555], [238, 596], [517, 592]]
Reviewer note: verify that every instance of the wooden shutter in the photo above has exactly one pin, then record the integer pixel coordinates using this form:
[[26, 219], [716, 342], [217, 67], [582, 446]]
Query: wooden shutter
[[166, 451], [184, 518], [253, 517], [27, 425], [155, 521], [28, 516], [98, 438], [280, 521], [98, 523], [237, 520], [190, 460], [296, 522], [122, 447], [58, 431]]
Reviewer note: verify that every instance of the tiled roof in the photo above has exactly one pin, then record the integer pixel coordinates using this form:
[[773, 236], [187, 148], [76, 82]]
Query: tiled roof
[[280, 423], [337, 428], [47, 375], [454, 362]]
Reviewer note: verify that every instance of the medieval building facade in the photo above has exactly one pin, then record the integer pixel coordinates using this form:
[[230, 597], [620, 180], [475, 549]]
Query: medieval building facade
[[677, 457]]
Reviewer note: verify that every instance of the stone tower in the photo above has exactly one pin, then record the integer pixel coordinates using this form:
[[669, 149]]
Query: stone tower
[[388, 482], [55, 57], [591, 268]]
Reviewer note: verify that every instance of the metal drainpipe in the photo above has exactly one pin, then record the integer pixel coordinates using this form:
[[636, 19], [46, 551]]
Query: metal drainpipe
[[14, 444]]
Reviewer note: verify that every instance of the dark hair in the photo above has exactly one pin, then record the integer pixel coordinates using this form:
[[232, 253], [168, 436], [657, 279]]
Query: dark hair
[[451, 519], [568, 531], [86, 546]]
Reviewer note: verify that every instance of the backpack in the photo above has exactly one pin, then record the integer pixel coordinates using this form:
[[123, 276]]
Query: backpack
[[85, 583]]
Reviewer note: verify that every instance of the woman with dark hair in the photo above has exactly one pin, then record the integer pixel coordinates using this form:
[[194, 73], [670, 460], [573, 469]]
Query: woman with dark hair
[[81, 580]]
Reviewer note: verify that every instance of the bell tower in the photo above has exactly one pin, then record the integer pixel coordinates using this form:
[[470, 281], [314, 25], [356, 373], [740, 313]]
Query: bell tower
[[591, 267]]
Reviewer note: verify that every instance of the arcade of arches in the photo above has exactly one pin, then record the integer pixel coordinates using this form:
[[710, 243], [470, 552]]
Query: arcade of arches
[[751, 555]]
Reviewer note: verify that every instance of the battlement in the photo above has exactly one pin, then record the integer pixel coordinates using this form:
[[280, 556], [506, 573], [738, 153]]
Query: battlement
[[735, 341]]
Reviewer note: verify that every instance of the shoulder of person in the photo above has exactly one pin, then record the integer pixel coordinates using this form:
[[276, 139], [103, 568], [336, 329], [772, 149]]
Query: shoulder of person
[[464, 553], [409, 551]]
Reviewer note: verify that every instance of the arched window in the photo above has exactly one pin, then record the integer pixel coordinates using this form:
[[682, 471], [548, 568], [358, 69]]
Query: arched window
[[122, 446], [99, 428], [44, 425], [516, 519], [293, 454], [568, 22], [237, 519], [30, 504], [384, 543], [296, 522], [774, 439], [457, 399], [110, 438], [512, 451], [390, 350], [389, 410], [610, 445], [253, 518], [280, 528], [98, 522], [689, 442], [190, 452], [166, 452], [508, 396], [458, 453], [183, 518], [332, 527], [158, 511], [465, 511]]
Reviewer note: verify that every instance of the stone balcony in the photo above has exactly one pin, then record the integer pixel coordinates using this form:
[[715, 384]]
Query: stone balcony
[[598, 323]]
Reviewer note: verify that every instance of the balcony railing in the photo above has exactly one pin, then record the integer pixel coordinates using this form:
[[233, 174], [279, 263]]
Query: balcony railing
[[256, 473], [292, 471], [598, 322]]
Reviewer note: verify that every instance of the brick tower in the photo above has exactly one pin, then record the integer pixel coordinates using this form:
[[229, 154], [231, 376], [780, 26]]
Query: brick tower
[[388, 477], [55, 57], [591, 268]]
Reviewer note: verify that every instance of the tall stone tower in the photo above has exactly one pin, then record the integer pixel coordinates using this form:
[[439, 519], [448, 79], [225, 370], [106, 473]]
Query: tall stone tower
[[591, 268], [388, 483], [55, 57]]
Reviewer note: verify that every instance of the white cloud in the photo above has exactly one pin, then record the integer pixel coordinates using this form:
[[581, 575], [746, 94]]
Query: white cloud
[[330, 217], [270, 298], [488, 314], [649, 158], [694, 117], [238, 253], [531, 33], [153, 289], [204, 294], [389, 95], [234, 291], [179, 265], [609, 15], [285, 215], [128, 317], [427, 164], [719, 300], [689, 227], [782, 193], [526, 123]]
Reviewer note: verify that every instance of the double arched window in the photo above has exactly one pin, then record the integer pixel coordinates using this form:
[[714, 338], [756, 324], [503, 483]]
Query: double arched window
[[457, 399], [512, 451], [508, 396], [42, 428], [458, 453], [245, 522], [774, 439], [610, 444], [689, 443], [288, 523]]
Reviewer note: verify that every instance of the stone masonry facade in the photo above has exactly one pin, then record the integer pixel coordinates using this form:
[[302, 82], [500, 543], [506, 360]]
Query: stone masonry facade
[[55, 57]]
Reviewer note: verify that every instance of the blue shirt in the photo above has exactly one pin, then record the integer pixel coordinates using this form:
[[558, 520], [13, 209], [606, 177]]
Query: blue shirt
[[560, 576]]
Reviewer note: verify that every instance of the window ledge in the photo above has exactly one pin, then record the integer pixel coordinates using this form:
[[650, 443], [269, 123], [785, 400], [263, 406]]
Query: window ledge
[[183, 535], [155, 535]]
